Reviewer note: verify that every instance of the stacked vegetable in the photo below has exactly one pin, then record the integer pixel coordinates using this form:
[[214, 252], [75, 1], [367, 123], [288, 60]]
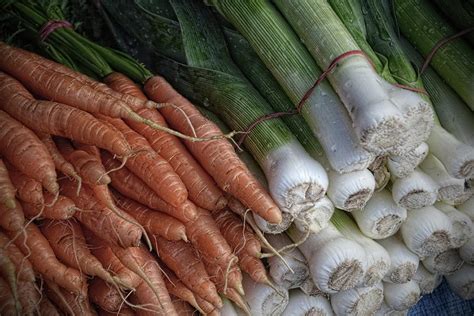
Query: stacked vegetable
[[347, 189]]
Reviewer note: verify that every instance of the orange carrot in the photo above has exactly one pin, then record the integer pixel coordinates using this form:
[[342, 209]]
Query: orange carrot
[[37, 249], [61, 164], [8, 304], [182, 307], [24, 270], [235, 297], [69, 303], [155, 171], [53, 208], [46, 307], [155, 223], [8, 272], [29, 298], [89, 167], [217, 156], [105, 295], [254, 268], [201, 187], [120, 229], [11, 213], [205, 305], [110, 261], [124, 311], [177, 288], [180, 257], [27, 189], [58, 119], [22, 148], [151, 293], [128, 184], [69, 244]]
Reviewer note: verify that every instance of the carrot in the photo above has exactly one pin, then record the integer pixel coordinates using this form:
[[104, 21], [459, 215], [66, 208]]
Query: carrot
[[155, 223], [37, 249], [58, 119], [69, 244], [205, 305], [110, 261], [201, 187], [11, 213], [89, 167], [177, 288], [27, 189], [152, 289], [182, 307], [69, 303], [29, 298], [8, 272], [216, 253], [60, 207], [155, 171], [254, 268], [22, 148], [8, 306], [24, 270], [120, 229], [230, 278], [235, 297], [128, 184], [104, 295], [180, 257], [217, 156], [124, 311], [61, 164], [46, 307]]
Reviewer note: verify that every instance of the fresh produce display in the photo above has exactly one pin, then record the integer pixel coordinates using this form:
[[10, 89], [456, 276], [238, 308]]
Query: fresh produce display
[[235, 157]]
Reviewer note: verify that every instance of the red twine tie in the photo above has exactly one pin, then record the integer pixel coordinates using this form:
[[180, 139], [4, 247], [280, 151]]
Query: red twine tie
[[51, 26]]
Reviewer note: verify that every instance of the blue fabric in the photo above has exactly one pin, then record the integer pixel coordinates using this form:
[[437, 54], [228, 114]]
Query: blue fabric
[[442, 302]]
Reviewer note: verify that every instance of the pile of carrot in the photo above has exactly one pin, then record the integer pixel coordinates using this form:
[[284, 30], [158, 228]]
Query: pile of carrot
[[104, 209]]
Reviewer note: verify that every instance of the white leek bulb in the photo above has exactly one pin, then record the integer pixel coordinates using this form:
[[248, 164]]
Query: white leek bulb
[[416, 190], [263, 299], [279, 270], [457, 157], [467, 208], [378, 259], [462, 282], [295, 180], [302, 304], [269, 228], [451, 190], [401, 166], [309, 288], [426, 280], [462, 224], [380, 171], [350, 191], [427, 231], [358, 301], [386, 310], [444, 263], [404, 263], [381, 217], [336, 263], [316, 217], [466, 252], [401, 296], [228, 308]]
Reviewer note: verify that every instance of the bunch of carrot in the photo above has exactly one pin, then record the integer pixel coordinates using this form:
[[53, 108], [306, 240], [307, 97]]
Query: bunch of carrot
[[91, 176]]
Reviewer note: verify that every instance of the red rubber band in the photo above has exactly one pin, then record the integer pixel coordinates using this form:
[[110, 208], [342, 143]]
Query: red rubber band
[[51, 26]]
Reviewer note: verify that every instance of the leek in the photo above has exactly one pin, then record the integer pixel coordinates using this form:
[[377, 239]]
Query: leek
[[335, 262], [426, 280], [381, 217], [427, 231], [461, 13], [309, 288], [445, 263], [378, 259], [404, 263], [269, 228], [263, 299], [466, 251], [386, 310], [424, 27], [402, 166], [415, 191], [280, 49], [358, 301], [295, 180], [462, 224], [380, 171], [450, 190], [347, 191], [302, 304], [468, 208], [376, 107], [279, 271], [462, 282], [316, 217], [401, 296]]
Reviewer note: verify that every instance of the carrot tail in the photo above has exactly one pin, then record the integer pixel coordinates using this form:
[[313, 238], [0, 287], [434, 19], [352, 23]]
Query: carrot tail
[[23, 266], [53, 207], [28, 189], [105, 295]]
